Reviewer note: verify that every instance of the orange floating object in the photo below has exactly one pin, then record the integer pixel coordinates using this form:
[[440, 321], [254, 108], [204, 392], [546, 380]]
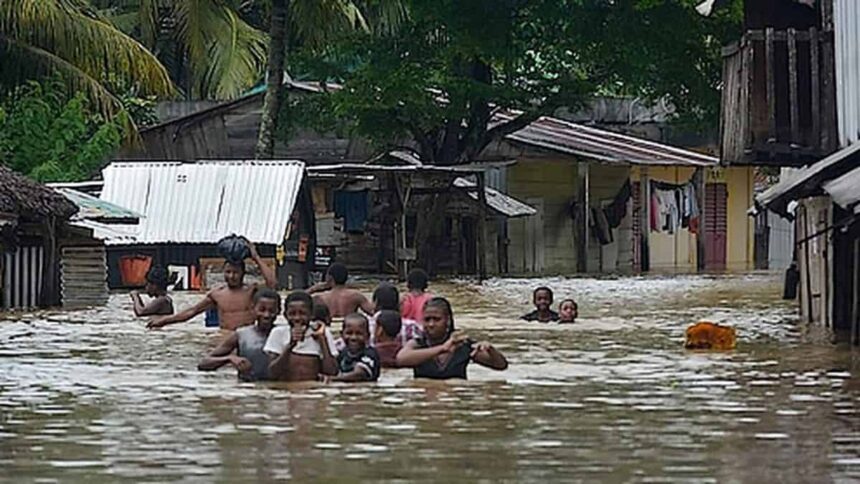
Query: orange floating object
[[709, 336]]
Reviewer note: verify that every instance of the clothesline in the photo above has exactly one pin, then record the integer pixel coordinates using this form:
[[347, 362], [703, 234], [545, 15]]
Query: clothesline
[[674, 207]]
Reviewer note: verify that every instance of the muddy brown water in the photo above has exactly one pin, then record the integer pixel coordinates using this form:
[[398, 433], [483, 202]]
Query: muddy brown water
[[614, 398]]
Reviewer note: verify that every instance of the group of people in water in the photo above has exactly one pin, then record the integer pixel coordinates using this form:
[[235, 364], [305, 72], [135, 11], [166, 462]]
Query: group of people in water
[[416, 331]]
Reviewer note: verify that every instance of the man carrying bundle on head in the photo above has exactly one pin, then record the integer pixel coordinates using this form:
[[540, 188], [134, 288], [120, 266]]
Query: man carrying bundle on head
[[233, 299]]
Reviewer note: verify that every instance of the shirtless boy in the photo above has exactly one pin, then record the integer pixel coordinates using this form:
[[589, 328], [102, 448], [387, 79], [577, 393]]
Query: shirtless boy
[[233, 300], [340, 299], [243, 348], [156, 288], [299, 352]]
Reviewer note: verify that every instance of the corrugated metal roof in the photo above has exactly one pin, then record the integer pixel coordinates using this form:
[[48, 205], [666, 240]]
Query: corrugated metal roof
[[846, 30], [498, 201], [807, 181], [602, 145], [92, 208], [361, 168], [116, 234], [199, 203], [845, 190]]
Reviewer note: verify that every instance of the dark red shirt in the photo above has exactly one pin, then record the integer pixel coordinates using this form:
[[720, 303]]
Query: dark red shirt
[[388, 353]]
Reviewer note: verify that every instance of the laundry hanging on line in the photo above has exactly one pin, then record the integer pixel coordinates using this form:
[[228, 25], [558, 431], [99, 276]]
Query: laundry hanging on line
[[674, 207]]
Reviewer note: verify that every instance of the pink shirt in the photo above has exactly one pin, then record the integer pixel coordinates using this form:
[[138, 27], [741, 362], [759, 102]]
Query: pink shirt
[[412, 306]]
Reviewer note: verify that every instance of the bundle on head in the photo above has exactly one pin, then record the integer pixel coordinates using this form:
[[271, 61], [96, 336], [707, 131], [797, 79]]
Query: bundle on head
[[709, 336], [233, 249]]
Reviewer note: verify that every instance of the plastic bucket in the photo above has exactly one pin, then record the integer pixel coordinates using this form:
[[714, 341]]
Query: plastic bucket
[[133, 269]]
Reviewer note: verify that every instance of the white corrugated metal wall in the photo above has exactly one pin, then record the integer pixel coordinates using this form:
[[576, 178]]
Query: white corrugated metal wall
[[22, 278], [202, 202], [780, 246], [846, 25]]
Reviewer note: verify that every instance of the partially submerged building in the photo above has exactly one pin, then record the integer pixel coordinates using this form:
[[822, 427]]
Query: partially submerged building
[[187, 207], [792, 99], [566, 173], [368, 215], [50, 255], [613, 203]]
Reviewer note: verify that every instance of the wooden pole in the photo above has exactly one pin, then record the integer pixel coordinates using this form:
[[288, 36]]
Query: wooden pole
[[482, 227], [645, 223], [855, 295], [581, 219], [699, 183]]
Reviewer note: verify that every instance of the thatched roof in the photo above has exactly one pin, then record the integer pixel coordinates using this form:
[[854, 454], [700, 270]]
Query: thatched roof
[[28, 198]]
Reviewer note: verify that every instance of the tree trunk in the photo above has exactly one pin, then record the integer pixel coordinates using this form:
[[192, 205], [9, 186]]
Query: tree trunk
[[274, 80]]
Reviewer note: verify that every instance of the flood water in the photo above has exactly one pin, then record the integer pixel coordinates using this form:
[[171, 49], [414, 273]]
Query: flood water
[[614, 398]]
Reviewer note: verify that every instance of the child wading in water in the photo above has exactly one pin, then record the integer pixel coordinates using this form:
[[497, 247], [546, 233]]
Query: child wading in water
[[542, 298], [299, 352], [568, 311], [357, 361], [442, 352], [156, 288], [412, 305], [388, 341], [248, 341]]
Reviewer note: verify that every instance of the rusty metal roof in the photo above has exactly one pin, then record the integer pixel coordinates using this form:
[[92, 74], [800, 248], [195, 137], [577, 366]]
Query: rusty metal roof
[[601, 145], [199, 203]]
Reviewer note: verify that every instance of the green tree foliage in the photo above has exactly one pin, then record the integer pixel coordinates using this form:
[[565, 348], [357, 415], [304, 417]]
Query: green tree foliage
[[70, 39], [442, 77], [212, 48], [52, 137]]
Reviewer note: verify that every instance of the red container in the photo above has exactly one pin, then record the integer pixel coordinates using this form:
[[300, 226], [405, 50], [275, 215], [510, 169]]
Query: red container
[[133, 269]]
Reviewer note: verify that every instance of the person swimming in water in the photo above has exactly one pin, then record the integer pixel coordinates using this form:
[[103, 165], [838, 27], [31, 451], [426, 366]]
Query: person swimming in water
[[300, 351], [340, 299], [387, 337], [157, 280], [233, 299], [568, 311], [442, 352], [543, 313], [243, 348]]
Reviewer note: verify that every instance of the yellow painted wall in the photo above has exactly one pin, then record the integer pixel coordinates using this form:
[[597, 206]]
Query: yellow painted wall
[[671, 252], [554, 183], [740, 243]]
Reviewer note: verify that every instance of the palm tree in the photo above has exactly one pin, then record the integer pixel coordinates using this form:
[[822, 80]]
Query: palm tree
[[70, 39], [209, 46]]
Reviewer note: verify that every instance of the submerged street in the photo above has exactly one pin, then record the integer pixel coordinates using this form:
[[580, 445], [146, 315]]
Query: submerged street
[[612, 398]]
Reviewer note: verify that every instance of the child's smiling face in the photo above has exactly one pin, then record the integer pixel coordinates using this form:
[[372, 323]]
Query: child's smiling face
[[543, 300], [297, 312], [355, 334]]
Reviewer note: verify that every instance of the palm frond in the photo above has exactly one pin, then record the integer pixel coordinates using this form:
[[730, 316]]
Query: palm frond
[[29, 62], [317, 21], [83, 39], [226, 55], [237, 61]]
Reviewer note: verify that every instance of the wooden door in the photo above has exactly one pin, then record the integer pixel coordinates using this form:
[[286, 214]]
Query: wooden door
[[716, 199], [534, 241]]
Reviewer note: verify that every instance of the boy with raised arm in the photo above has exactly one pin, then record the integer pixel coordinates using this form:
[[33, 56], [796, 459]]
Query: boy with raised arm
[[233, 299], [244, 347]]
